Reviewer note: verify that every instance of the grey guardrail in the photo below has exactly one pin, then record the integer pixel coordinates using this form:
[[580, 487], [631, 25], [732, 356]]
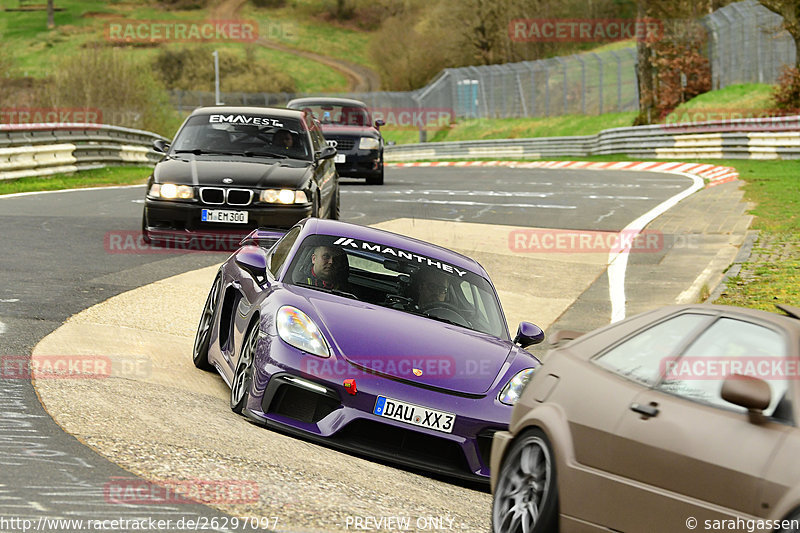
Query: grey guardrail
[[757, 138], [45, 149]]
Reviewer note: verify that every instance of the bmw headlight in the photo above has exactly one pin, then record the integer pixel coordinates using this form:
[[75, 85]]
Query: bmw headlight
[[369, 143], [513, 389], [296, 329], [171, 191], [283, 196]]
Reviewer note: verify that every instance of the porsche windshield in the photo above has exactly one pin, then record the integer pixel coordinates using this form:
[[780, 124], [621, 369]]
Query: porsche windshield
[[243, 134], [397, 279]]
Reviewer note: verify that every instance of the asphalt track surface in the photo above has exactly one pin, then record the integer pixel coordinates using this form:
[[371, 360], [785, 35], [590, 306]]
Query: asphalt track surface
[[57, 263]]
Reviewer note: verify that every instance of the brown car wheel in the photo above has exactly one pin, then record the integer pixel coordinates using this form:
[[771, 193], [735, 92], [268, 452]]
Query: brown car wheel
[[526, 497]]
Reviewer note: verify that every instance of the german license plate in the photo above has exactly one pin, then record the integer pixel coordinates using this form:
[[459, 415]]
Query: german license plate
[[339, 158], [415, 415], [224, 215]]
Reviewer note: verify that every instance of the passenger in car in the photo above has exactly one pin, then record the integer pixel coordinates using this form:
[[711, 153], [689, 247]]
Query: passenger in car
[[429, 287]]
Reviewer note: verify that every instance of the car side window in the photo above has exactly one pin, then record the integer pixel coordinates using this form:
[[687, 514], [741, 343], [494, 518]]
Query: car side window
[[642, 357], [729, 346], [281, 250], [316, 136]]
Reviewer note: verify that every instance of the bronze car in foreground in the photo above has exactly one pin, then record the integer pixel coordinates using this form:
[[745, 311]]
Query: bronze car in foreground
[[679, 419]]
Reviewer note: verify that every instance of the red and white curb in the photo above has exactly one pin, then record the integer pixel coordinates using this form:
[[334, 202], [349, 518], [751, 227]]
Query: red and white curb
[[713, 174]]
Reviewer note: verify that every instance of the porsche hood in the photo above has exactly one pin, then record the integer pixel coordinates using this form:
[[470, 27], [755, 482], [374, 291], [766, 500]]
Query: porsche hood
[[414, 348]]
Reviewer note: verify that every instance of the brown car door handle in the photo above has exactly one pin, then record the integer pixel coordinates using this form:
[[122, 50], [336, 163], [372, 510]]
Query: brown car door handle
[[646, 410]]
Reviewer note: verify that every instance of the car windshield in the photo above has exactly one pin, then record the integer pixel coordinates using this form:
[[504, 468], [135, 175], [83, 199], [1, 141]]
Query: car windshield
[[405, 281], [339, 115], [251, 135]]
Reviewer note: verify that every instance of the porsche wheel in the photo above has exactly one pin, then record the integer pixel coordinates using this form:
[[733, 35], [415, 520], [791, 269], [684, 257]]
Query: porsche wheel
[[526, 498], [203, 337], [244, 371]]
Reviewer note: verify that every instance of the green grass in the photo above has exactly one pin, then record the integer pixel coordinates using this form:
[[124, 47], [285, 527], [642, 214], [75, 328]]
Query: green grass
[[288, 26], [123, 175], [83, 23], [735, 101], [769, 282], [774, 187], [517, 128], [775, 264]]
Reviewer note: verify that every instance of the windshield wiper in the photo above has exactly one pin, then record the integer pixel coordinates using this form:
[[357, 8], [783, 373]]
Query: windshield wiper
[[337, 292], [198, 151], [441, 319], [265, 154]]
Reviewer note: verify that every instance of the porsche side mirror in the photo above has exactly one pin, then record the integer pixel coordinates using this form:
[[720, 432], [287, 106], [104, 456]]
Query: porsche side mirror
[[528, 334], [749, 392], [161, 146], [326, 153], [253, 260], [379, 123]]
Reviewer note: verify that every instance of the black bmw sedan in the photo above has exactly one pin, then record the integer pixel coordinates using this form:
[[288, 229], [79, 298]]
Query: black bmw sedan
[[233, 169]]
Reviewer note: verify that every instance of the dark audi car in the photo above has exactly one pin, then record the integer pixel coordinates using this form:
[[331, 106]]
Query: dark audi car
[[233, 169], [348, 127]]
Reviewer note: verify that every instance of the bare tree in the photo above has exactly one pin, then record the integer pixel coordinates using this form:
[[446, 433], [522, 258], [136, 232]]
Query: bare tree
[[673, 16]]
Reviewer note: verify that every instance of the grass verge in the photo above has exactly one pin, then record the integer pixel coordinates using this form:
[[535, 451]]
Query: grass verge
[[515, 128], [100, 177]]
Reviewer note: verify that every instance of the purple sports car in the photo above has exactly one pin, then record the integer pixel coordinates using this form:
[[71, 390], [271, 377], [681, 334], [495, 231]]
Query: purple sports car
[[369, 341]]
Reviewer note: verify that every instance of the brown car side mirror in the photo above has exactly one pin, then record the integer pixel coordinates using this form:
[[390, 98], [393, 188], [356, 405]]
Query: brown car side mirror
[[746, 391]]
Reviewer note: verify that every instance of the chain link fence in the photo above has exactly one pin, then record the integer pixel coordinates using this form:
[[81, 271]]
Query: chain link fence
[[747, 44], [586, 84]]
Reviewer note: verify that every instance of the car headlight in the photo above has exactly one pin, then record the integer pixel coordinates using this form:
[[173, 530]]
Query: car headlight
[[296, 329], [283, 196], [369, 143], [171, 191], [513, 389]]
